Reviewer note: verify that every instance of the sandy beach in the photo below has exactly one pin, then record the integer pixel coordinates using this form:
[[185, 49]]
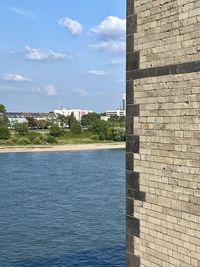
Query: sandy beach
[[61, 148]]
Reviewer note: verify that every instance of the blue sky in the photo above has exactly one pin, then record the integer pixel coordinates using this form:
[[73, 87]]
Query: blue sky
[[69, 52]]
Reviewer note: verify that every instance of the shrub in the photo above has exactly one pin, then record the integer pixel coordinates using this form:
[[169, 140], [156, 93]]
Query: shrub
[[24, 141], [33, 135], [55, 130], [37, 141], [118, 134], [51, 139], [76, 127], [44, 138], [101, 128], [9, 143], [4, 132], [102, 136], [95, 137], [14, 139], [21, 128]]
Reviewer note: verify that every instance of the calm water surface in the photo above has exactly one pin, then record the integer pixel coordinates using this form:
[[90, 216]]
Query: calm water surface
[[62, 209]]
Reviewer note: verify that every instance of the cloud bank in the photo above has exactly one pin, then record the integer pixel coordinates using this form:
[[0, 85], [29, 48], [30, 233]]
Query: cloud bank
[[49, 90], [73, 26], [16, 78], [97, 72], [21, 12], [36, 54], [79, 92], [111, 34], [110, 28], [111, 47]]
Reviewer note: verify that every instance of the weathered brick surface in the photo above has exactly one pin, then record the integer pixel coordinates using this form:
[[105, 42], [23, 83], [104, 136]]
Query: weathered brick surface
[[168, 31], [163, 116], [169, 168]]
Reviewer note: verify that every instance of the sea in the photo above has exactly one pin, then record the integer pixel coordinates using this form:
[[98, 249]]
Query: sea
[[62, 209]]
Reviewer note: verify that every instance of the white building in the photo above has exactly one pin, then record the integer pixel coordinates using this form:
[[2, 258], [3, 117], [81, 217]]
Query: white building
[[118, 112], [78, 113], [124, 101], [16, 117]]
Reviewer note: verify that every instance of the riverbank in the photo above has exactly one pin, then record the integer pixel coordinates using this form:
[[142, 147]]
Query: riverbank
[[61, 148]]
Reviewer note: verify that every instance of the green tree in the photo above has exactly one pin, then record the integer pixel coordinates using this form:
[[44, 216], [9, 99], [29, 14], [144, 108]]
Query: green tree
[[116, 121], [3, 117], [42, 124], [55, 130], [2, 109], [32, 123], [21, 129], [114, 118], [4, 132], [63, 120], [122, 121], [102, 129], [118, 134], [90, 119], [4, 122], [74, 125]]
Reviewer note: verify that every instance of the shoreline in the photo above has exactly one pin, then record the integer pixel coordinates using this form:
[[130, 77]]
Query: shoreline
[[61, 148]]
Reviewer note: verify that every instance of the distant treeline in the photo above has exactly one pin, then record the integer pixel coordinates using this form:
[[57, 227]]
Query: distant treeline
[[61, 130]]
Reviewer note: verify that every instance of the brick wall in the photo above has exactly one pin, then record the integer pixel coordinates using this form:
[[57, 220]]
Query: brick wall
[[163, 133]]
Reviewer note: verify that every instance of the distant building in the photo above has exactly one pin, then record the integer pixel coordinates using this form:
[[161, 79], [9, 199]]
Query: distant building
[[78, 113], [124, 101], [16, 117], [118, 112], [21, 117], [41, 115], [104, 118]]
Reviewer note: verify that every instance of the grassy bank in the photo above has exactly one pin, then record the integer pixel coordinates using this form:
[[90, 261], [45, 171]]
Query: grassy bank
[[44, 139]]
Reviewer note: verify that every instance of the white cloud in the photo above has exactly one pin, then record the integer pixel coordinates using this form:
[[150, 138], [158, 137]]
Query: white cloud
[[16, 78], [44, 55], [49, 90], [111, 28], [22, 12], [118, 61], [97, 72], [110, 47], [79, 92], [10, 88], [111, 34], [73, 26]]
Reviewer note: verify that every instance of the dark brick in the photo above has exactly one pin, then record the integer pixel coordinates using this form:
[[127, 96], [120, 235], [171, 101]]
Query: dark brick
[[132, 260], [129, 243], [131, 24], [129, 92], [129, 161], [129, 125], [132, 143], [141, 196], [132, 226], [132, 110], [129, 206], [130, 7], [132, 60], [132, 180], [130, 43], [174, 69]]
